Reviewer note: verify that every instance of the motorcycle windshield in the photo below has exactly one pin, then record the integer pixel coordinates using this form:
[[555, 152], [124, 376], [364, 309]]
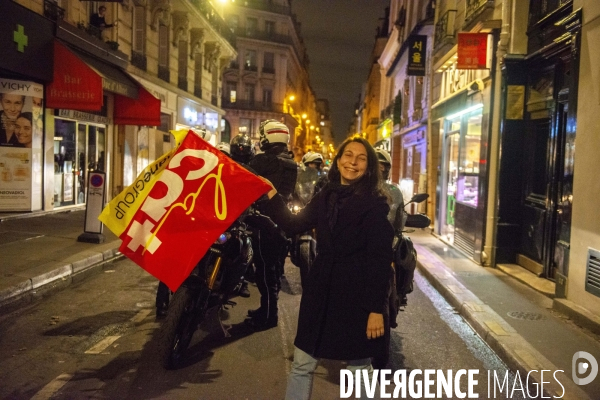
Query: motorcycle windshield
[[305, 184], [396, 201]]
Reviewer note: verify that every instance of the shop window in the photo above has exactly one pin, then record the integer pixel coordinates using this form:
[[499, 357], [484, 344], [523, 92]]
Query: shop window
[[470, 152]]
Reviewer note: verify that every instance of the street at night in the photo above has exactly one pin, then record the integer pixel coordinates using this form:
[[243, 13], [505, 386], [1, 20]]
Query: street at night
[[96, 340]]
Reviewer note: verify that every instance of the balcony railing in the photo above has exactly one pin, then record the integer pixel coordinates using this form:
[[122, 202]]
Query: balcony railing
[[475, 7], [264, 35], [198, 91], [387, 112], [251, 105], [214, 19], [266, 70], [444, 29], [53, 11], [266, 5], [253, 68], [213, 100]]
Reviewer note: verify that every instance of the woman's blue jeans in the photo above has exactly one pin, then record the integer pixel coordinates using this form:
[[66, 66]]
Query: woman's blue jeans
[[299, 385]]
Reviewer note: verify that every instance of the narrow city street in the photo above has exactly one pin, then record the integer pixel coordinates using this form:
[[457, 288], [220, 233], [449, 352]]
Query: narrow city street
[[97, 339]]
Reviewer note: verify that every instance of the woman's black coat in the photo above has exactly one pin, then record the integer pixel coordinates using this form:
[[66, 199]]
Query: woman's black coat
[[350, 277]]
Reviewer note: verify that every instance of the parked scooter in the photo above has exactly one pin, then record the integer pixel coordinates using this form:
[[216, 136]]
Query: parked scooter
[[405, 255], [212, 283]]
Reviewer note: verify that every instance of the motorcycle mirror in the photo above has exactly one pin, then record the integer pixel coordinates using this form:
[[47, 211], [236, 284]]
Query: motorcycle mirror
[[419, 197]]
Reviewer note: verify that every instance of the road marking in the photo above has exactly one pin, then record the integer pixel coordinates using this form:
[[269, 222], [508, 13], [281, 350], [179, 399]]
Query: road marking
[[101, 345], [52, 387], [139, 317]]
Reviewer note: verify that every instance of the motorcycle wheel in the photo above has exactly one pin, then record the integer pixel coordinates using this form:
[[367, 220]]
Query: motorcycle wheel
[[305, 255], [178, 328]]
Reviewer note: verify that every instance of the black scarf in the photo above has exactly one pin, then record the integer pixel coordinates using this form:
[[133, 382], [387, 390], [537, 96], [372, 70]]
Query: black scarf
[[337, 196]]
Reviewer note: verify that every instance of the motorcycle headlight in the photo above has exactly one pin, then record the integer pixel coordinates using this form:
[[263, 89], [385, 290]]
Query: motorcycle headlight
[[223, 238], [296, 209]]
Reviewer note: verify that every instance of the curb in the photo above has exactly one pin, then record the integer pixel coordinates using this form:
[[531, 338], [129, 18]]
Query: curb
[[27, 290], [511, 347]]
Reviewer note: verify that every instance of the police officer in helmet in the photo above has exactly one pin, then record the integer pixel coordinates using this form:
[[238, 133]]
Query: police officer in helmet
[[270, 249], [241, 149]]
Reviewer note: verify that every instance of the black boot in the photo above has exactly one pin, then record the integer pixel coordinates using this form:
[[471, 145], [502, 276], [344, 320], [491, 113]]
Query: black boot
[[244, 292], [262, 322]]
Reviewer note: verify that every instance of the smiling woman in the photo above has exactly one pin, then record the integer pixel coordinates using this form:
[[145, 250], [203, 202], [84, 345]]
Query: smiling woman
[[343, 314]]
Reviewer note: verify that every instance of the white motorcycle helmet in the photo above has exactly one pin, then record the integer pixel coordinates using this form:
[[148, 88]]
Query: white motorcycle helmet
[[224, 147], [312, 157], [385, 161], [203, 133], [272, 132]]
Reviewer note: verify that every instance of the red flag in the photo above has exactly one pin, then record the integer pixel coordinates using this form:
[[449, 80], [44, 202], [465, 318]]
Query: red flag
[[197, 197]]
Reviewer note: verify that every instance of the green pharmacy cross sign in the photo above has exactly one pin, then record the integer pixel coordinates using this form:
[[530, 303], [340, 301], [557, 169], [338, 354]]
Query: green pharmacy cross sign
[[20, 38]]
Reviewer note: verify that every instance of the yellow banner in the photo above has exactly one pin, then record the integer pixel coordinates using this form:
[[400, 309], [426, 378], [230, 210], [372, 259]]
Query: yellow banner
[[120, 210]]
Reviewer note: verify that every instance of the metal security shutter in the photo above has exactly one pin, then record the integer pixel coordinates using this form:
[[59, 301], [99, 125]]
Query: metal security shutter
[[592, 272]]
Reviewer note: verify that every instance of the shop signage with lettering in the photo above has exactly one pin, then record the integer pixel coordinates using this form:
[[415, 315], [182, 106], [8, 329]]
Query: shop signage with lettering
[[83, 116], [473, 50], [417, 55]]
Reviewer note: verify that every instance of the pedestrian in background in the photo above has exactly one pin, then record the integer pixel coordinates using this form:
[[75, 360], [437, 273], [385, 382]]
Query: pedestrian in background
[[345, 294], [98, 21]]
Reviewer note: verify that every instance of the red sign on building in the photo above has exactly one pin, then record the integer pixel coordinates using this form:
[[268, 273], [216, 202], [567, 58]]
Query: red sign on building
[[472, 50]]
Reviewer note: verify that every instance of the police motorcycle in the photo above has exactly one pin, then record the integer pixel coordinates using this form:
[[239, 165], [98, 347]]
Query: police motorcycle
[[304, 246], [211, 284]]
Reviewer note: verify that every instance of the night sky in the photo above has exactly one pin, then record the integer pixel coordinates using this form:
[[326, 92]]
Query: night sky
[[339, 36]]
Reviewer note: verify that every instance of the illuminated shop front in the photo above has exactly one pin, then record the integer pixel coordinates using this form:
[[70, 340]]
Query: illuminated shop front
[[191, 114], [461, 121]]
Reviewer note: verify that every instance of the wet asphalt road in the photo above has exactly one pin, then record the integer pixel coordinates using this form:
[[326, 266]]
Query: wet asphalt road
[[97, 340]]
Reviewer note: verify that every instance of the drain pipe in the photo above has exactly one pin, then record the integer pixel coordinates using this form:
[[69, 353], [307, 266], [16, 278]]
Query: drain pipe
[[489, 249]]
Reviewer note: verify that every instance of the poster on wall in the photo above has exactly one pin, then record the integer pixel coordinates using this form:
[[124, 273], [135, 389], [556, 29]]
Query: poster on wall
[[15, 179], [21, 131]]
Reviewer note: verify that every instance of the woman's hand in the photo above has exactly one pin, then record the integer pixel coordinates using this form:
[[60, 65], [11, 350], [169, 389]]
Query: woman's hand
[[375, 326], [271, 192]]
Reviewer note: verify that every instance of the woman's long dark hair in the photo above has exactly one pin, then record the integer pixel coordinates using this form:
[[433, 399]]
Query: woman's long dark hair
[[371, 182]]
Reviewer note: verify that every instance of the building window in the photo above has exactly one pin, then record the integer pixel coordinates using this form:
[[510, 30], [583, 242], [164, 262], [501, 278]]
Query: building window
[[246, 126], [163, 46], [198, 75], [139, 29], [269, 63], [267, 97], [270, 28], [182, 65], [231, 90], [250, 60], [251, 26], [249, 93], [233, 21]]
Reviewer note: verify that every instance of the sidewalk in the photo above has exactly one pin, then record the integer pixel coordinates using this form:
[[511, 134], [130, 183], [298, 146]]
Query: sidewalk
[[40, 253], [516, 321]]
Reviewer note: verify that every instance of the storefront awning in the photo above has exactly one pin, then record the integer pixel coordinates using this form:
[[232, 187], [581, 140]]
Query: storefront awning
[[75, 86], [113, 78], [145, 111]]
